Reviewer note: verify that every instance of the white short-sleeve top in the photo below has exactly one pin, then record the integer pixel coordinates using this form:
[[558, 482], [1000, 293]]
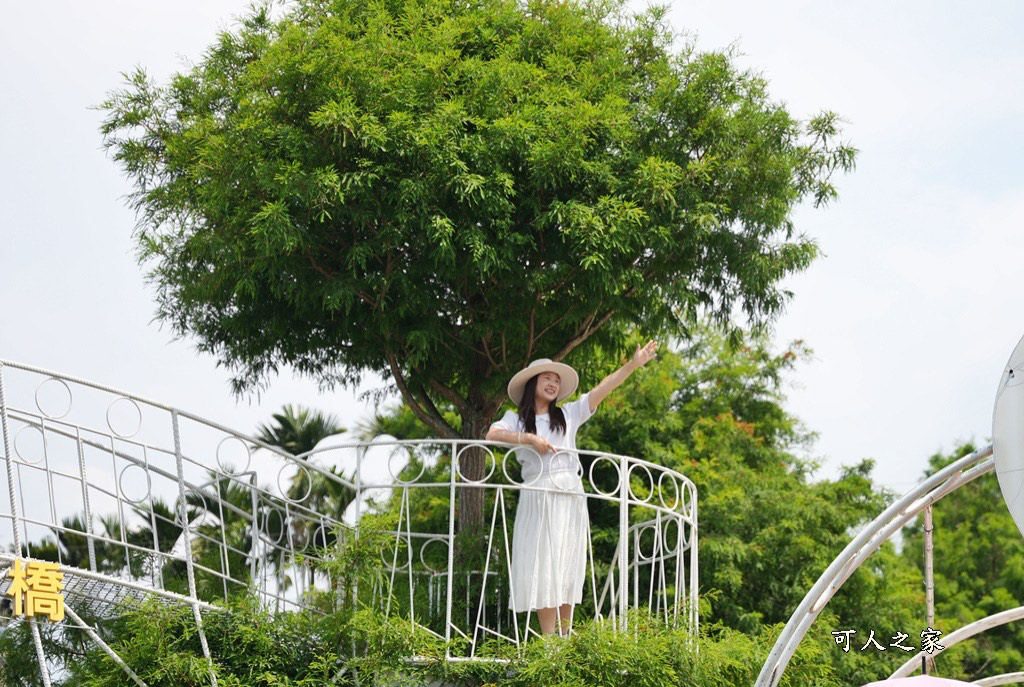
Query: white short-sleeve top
[[576, 413]]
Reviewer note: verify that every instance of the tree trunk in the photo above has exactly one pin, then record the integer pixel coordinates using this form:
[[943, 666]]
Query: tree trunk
[[472, 465]]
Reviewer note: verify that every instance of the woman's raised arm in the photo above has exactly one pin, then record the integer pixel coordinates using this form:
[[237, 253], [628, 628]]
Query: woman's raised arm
[[641, 357]]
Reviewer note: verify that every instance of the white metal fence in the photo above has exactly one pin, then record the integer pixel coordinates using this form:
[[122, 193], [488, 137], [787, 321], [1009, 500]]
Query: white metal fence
[[134, 498]]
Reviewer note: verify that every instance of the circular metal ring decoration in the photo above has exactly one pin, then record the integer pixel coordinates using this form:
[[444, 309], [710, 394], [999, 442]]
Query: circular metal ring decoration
[[395, 557], [639, 546], [138, 418], [269, 527], [321, 535], [514, 452], [410, 451], [423, 550], [39, 403], [675, 486], [671, 545], [18, 446], [618, 476], [1008, 434], [226, 467], [125, 492], [309, 482], [458, 463], [559, 477], [650, 483]]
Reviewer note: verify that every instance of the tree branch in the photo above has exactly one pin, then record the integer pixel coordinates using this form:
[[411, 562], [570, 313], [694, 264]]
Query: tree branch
[[451, 395], [494, 402], [589, 326], [572, 273], [557, 320], [529, 336], [433, 409], [330, 275], [583, 334], [487, 352], [435, 422], [319, 268]]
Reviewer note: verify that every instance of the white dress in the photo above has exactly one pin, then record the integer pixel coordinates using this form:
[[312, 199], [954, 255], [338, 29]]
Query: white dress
[[549, 539]]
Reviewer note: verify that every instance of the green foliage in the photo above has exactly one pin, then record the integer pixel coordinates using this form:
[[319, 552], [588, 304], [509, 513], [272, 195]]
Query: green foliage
[[714, 411], [258, 649], [18, 664], [442, 191], [253, 648]]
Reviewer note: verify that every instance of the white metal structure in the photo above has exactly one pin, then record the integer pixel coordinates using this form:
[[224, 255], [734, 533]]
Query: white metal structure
[[866, 542], [1008, 434], [134, 498], [1005, 456], [966, 632]]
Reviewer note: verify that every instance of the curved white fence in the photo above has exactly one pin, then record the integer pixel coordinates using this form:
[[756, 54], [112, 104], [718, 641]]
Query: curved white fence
[[133, 498]]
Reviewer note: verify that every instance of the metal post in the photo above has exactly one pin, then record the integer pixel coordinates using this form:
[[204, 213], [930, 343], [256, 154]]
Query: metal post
[[623, 541], [85, 502], [451, 550], [929, 580], [929, 577], [360, 453], [9, 460], [44, 671], [694, 616], [189, 564]]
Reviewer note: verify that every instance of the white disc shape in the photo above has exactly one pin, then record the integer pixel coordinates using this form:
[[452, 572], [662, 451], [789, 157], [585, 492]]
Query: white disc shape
[[1008, 434]]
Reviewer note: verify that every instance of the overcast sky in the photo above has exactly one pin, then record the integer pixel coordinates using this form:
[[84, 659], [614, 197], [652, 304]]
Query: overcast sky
[[912, 313]]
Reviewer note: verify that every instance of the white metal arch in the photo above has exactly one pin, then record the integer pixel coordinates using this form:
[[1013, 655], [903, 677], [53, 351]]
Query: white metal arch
[[1005, 679], [965, 632], [867, 541]]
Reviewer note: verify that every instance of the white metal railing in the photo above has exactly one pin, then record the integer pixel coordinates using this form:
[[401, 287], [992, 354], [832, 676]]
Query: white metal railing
[[134, 497]]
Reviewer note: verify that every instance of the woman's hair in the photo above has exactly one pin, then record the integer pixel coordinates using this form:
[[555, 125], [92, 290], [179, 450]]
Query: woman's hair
[[528, 413]]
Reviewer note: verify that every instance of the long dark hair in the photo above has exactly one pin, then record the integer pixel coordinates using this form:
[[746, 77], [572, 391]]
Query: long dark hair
[[528, 412]]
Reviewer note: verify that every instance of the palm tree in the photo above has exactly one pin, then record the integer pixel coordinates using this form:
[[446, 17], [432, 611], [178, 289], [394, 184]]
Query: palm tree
[[298, 430]]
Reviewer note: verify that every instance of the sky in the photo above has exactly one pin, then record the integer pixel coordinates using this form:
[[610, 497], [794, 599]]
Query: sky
[[912, 312]]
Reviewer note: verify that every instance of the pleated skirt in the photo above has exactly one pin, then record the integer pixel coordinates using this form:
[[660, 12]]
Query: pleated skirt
[[549, 544]]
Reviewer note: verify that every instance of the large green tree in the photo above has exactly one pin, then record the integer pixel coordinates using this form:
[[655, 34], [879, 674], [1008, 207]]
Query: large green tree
[[442, 190]]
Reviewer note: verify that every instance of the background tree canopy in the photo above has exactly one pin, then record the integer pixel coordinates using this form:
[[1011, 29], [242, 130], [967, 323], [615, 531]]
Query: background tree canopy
[[443, 190]]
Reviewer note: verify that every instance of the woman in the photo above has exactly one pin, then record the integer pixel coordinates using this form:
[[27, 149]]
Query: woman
[[549, 542]]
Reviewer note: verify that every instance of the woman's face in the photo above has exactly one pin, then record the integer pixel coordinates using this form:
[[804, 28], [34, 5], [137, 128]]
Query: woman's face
[[548, 384]]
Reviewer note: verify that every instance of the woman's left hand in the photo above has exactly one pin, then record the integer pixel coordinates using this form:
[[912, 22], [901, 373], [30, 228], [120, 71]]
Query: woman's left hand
[[645, 354]]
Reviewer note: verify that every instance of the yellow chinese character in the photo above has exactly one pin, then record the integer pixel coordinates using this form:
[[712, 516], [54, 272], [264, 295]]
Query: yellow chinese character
[[18, 587], [36, 590], [44, 591]]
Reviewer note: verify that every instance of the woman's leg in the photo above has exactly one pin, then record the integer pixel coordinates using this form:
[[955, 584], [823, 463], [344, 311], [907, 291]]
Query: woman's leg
[[551, 618], [546, 618]]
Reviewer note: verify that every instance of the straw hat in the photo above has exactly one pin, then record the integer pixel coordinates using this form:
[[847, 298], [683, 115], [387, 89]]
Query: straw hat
[[568, 377]]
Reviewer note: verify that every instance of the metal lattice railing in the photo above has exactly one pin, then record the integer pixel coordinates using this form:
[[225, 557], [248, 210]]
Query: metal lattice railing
[[133, 498]]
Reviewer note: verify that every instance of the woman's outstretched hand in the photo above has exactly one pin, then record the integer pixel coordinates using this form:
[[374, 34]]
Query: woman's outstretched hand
[[645, 354]]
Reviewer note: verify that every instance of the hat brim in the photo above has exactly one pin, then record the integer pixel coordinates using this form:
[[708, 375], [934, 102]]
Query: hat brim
[[569, 380]]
